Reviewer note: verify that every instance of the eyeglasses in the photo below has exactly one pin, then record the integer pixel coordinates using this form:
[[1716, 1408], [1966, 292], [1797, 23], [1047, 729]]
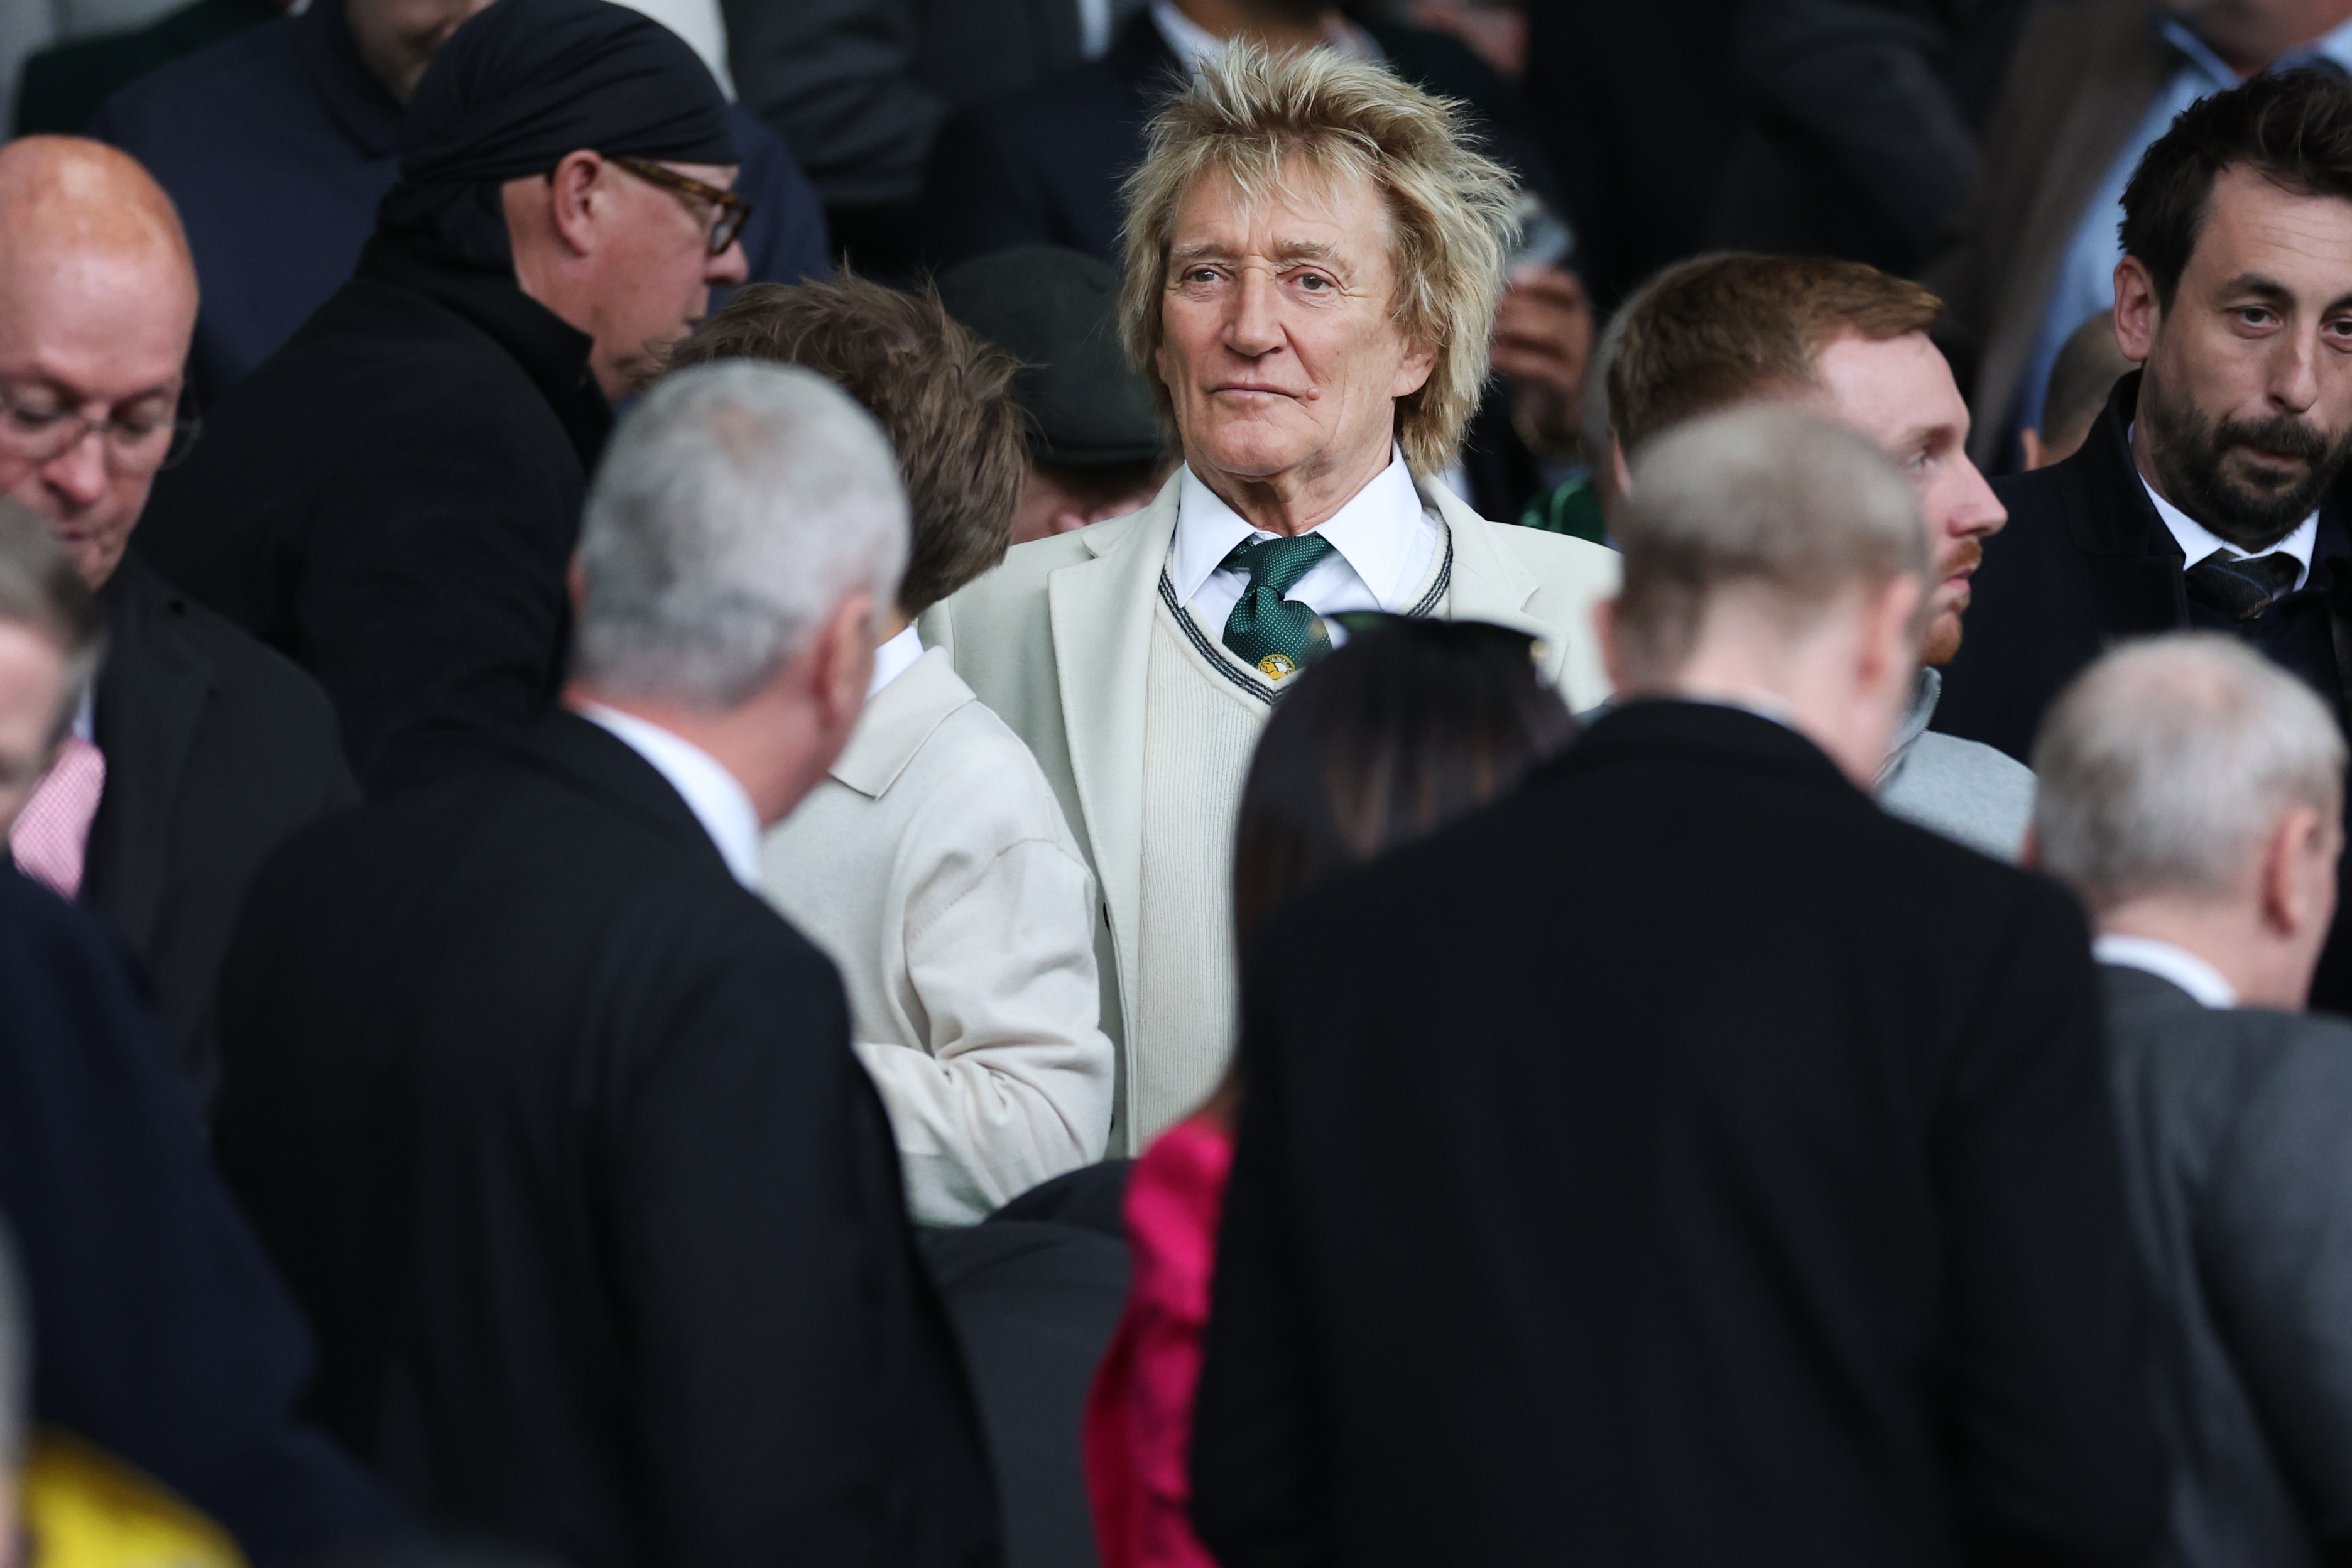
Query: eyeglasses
[[734, 212], [36, 428]]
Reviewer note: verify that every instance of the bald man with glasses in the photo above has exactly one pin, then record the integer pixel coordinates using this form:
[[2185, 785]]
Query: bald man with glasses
[[197, 749]]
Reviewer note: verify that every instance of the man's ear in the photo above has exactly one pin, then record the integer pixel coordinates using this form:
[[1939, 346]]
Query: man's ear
[[2295, 895], [843, 661], [1620, 467], [1413, 374], [1889, 647], [2029, 852], [2138, 312], [1604, 630], [576, 190], [2037, 455]]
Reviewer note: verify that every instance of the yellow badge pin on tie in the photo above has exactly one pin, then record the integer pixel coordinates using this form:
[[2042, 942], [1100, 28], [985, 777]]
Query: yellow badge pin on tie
[[1274, 665]]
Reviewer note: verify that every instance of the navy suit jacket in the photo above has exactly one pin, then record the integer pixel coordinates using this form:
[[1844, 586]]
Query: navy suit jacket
[[160, 1332], [278, 145]]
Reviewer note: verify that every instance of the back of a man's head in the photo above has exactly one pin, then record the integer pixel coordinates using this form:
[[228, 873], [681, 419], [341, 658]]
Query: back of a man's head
[[1768, 507], [2166, 765], [2082, 378], [1720, 331], [942, 394], [736, 507]]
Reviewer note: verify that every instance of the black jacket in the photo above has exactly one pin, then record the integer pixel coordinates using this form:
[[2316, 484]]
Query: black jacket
[[556, 1131], [391, 500], [217, 749], [1043, 167], [159, 1332], [2085, 561], [1682, 1161]]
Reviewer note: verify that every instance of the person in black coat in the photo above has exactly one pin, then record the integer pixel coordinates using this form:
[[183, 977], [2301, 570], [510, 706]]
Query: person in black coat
[[554, 1125], [160, 1333], [212, 747], [2209, 493], [392, 497], [1681, 1161]]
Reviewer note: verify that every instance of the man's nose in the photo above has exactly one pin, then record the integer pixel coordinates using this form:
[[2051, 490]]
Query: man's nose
[[1980, 513], [2294, 371], [78, 473], [731, 269], [1255, 328]]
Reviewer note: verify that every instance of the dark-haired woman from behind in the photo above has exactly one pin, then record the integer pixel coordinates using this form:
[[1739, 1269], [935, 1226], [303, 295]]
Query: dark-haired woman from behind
[[1404, 727]]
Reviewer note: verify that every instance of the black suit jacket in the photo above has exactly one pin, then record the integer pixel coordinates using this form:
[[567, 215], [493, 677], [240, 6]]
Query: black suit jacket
[[159, 1330], [1043, 167], [2084, 562], [556, 1131], [217, 749], [1682, 1161], [391, 500]]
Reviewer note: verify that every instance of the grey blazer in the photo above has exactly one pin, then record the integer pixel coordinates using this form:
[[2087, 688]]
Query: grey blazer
[[2236, 1130]]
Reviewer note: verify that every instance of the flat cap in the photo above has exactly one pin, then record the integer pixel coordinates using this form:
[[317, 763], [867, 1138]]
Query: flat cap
[[1053, 310]]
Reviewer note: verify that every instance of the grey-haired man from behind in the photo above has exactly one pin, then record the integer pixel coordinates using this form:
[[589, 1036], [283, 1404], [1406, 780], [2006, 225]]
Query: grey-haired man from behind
[[2192, 794]]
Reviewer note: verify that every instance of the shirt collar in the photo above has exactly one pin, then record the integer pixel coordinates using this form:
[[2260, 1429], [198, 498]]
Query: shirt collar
[[701, 780], [1373, 533], [2196, 542], [895, 659], [2183, 968]]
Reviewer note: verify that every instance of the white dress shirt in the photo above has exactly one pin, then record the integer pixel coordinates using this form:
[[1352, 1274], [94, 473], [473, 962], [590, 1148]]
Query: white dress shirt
[[2196, 542], [893, 659], [1382, 545], [701, 780], [2166, 961]]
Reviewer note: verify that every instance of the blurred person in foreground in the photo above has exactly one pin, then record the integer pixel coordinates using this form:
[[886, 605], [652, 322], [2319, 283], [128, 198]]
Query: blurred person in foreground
[[392, 499], [196, 750], [1408, 726], [2211, 493], [2080, 383], [164, 1340], [277, 146], [932, 861], [1850, 342], [2192, 795], [554, 1123], [1095, 445], [1314, 252], [1644, 1136]]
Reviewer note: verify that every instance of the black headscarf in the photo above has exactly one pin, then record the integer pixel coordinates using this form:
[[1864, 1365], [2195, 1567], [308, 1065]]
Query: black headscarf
[[525, 82]]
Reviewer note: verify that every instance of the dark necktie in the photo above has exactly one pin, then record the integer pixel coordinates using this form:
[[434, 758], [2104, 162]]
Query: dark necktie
[[2242, 588], [1276, 634]]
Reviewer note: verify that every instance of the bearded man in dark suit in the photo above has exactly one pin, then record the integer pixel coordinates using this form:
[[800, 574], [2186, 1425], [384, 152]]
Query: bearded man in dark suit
[[554, 1125], [2208, 494]]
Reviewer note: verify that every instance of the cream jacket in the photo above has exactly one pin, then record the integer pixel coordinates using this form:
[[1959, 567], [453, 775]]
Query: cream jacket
[[1057, 641], [936, 871]]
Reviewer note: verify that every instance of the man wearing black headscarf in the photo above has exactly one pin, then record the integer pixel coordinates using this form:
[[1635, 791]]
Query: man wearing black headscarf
[[393, 497]]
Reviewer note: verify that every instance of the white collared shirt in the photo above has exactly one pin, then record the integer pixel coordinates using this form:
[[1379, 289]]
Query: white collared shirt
[[893, 659], [2166, 961], [1384, 542], [701, 780], [2196, 542], [1196, 46]]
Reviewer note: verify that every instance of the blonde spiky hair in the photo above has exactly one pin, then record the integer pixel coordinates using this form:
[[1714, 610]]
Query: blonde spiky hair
[[1252, 116]]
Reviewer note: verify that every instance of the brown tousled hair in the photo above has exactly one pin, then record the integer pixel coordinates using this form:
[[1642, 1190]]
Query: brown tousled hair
[[1723, 330], [941, 393]]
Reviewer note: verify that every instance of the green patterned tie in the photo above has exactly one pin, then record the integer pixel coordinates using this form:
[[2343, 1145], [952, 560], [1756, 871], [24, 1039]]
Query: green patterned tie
[[1276, 634]]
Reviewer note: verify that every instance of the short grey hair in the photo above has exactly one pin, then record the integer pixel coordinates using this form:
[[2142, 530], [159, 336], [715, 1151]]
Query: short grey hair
[[737, 506], [1765, 499], [2167, 763], [40, 589]]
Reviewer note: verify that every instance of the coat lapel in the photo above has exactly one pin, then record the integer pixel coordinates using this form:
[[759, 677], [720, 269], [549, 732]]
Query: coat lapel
[[152, 692], [1490, 584], [1102, 612]]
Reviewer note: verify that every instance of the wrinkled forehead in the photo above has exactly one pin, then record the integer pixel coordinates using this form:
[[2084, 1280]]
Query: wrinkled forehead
[[2257, 236], [1298, 205]]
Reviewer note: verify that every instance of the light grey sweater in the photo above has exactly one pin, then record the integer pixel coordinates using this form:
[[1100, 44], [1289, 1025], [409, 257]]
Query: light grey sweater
[[1969, 792]]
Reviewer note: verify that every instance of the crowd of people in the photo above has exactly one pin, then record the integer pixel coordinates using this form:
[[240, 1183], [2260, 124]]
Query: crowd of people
[[1192, 806]]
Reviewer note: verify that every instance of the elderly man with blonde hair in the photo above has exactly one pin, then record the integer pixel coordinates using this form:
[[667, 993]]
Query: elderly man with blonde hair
[[2193, 794], [1313, 256]]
